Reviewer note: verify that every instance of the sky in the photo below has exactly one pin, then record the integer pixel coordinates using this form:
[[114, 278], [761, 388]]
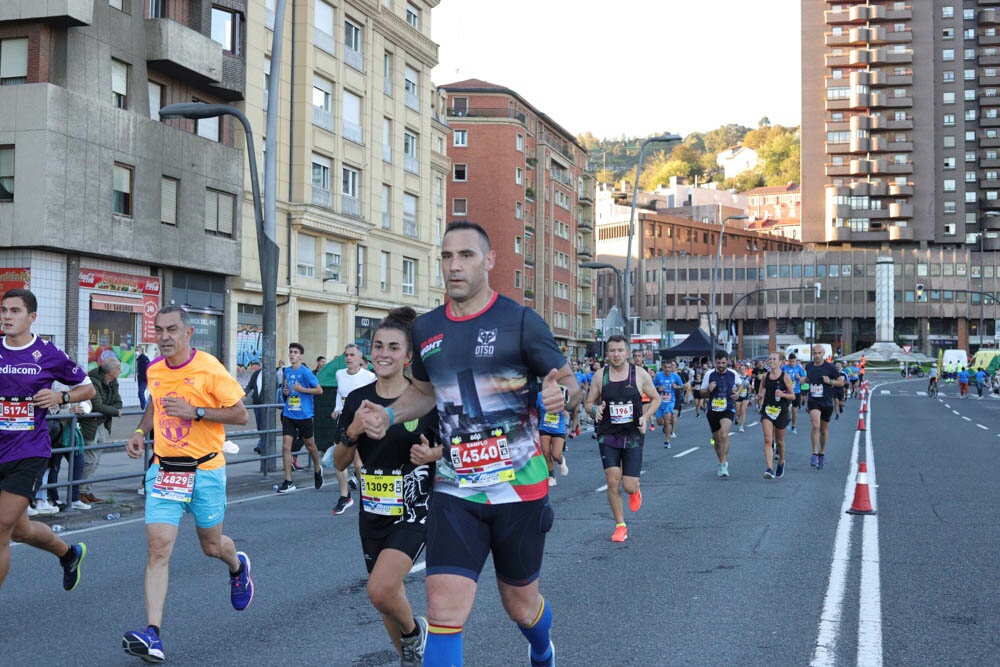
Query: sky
[[630, 67]]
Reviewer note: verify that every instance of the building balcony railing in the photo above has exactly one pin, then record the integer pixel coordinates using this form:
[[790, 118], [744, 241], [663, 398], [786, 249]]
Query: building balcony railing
[[323, 118], [179, 51], [64, 13], [387, 153], [410, 225], [900, 233], [585, 224], [411, 164], [353, 132], [412, 100], [900, 189], [350, 205], [354, 58], [584, 307], [488, 112], [584, 197], [322, 197], [898, 210], [325, 41], [562, 176]]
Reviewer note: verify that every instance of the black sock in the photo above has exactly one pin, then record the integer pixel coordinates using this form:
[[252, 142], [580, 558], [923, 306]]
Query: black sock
[[68, 557], [414, 632], [238, 572], [156, 629]]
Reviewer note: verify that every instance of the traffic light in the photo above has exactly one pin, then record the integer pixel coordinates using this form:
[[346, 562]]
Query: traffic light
[[920, 291]]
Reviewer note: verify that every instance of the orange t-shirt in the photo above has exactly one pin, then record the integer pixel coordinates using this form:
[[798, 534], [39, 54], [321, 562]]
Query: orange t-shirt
[[203, 382]]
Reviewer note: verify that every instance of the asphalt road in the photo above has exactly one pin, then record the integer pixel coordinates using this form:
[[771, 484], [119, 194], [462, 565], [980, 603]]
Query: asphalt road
[[743, 571]]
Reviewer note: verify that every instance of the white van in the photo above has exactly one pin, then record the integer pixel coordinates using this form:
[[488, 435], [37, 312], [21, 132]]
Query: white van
[[958, 359], [803, 351]]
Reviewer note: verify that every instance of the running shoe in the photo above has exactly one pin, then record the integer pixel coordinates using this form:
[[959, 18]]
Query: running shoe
[[836, 415], [352, 482], [241, 586], [295, 464], [814, 460], [620, 534], [819, 462], [741, 429], [286, 487], [635, 500], [666, 444], [779, 471], [144, 644], [673, 435], [342, 504], [71, 570], [550, 661], [723, 470], [318, 478], [795, 430], [563, 468], [768, 474], [552, 481], [775, 453], [43, 506], [413, 647], [80, 505], [32, 511]]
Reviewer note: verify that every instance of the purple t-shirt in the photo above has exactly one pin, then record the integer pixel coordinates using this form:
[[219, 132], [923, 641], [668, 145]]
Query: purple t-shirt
[[23, 373]]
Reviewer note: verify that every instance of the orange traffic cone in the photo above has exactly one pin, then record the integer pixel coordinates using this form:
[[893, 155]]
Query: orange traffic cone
[[861, 422], [862, 502], [864, 405]]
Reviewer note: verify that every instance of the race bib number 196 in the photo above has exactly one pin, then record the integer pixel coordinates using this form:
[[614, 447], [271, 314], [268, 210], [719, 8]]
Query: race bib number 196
[[481, 459]]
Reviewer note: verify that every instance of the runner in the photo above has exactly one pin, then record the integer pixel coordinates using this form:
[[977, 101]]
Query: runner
[[980, 381], [192, 397], [615, 401], [839, 393], [397, 473], [795, 372], [853, 371], [348, 379], [552, 438], [774, 394], [743, 397], [823, 379], [720, 388], [299, 387], [697, 376], [28, 367], [479, 357], [668, 383]]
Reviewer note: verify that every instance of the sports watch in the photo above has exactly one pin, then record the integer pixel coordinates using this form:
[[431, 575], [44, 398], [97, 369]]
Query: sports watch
[[199, 414]]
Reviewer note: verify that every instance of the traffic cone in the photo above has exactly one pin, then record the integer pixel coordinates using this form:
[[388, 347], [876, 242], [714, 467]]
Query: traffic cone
[[861, 422], [862, 502], [864, 405]]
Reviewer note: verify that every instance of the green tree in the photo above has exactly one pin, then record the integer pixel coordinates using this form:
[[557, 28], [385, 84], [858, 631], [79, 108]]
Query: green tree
[[723, 137]]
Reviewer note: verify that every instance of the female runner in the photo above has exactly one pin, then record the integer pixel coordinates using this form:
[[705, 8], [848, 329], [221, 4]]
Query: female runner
[[774, 398]]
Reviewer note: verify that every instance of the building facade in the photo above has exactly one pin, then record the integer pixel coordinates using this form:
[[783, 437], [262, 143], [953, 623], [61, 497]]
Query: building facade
[[525, 179], [361, 171], [775, 210], [901, 123], [106, 212]]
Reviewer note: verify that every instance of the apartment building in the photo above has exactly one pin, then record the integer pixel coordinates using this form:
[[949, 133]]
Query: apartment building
[[525, 179], [775, 210], [361, 170], [106, 212], [901, 122]]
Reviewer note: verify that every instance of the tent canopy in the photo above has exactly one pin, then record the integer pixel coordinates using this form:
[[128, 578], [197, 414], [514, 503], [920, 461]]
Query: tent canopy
[[695, 345]]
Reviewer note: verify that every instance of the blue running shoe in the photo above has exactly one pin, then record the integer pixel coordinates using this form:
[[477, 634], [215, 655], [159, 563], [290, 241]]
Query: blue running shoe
[[768, 474], [666, 444], [144, 644], [550, 661], [819, 462], [71, 572], [241, 586], [779, 471], [814, 460]]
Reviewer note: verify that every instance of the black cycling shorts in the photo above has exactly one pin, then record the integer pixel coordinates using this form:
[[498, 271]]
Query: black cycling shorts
[[406, 537], [629, 459], [462, 533], [23, 476]]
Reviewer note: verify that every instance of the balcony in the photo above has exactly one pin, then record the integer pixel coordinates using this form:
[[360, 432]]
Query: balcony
[[839, 234], [898, 210], [584, 307], [584, 252], [900, 233], [488, 112], [354, 58], [861, 167], [182, 53], [584, 197], [322, 197], [900, 189], [989, 142], [323, 118], [858, 57], [989, 57], [837, 169], [835, 40], [878, 189], [411, 163], [991, 222], [412, 100], [585, 224], [989, 162], [860, 144], [60, 13], [352, 132], [350, 205], [859, 36], [989, 17]]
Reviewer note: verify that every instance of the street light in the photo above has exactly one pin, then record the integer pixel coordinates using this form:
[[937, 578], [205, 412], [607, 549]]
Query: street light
[[665, 138], [267, 247], [605, 265], [715, 271]]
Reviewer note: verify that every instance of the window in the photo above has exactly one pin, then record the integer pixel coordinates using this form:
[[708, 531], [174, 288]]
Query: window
[[460, 206], [156, 9], [459, 172], [411, 85], [350, 197], [947, 54], [155, 100], [948, 185], [517, 245], [461, 138], [518, 210], [970, 197], [517, 279], [518, 176], [362, 257], [519, 143], [410, 215], [948, 76], [383, 271], [386, 206], [409, 275], [439, 191], [305, 261], [119, 84], [387, 140], [949, 163], [6, 173], [970, 177], [226, 29], [321, 181], [208, 128], [267, 80], [387, 73], [970, 95], [352, 118], [968, 14], [949, 119], [13, 61], [322, 94], [948, 12], [948, 97], [220, 213], [323, 30], [949, 207], [333, 253], [970, 114], [411, 162], [168, 200], [948, 33], [413, 15], [121, 202], [353, 55], [118, 4]]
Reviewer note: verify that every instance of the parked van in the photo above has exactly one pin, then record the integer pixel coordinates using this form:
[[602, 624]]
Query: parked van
[[982, 359], [803, 351], [958, 359]]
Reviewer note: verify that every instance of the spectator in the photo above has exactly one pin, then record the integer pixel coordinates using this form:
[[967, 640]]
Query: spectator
[[141, 364], [107, 403], [65, 435]]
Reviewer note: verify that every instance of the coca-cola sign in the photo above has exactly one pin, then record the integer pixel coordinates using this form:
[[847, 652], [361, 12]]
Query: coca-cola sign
[[119, 282]]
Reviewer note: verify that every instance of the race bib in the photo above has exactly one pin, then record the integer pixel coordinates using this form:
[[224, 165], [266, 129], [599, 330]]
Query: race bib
[[294, 402], [620, 413], [17, 413], [719, 404], [382, 494], [481, 459], [816, 391], [178, 486], [772, 411], [551, 419]]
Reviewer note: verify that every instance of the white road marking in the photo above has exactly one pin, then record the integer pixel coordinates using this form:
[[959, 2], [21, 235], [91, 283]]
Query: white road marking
[[884, 392], [982, 427], [967, 419], [870, 594], [945, 404], [921, 393], [752, 424], [418, 567], [956, 412], [694, 449]]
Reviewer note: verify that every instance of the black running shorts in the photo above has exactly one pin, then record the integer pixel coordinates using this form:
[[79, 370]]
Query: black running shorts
[[715, 419], [292, 428], [406, 537], [825, 411], [23, 476]]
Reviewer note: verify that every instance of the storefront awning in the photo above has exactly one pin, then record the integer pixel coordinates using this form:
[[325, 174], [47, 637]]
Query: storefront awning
[[121, 304]]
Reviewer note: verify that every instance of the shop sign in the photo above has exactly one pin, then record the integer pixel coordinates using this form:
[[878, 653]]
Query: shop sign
[[119, 282], [14, 279]]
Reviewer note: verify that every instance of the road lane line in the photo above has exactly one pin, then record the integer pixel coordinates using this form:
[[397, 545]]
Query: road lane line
[[983, 427], [418, 567], [945, 404], [752, 424], [870, 594], [956, 412], [968, 419], [688, 451]]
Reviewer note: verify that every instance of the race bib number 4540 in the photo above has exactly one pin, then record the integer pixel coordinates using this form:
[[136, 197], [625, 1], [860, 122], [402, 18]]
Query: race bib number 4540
[[481, 459]]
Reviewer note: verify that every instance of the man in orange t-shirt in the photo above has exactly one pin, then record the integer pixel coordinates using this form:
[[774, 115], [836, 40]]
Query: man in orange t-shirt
[[193, 396]]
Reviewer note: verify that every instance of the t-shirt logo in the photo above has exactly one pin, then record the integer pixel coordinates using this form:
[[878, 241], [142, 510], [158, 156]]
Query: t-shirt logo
[[431, 346], [36, 355], [485, 342]]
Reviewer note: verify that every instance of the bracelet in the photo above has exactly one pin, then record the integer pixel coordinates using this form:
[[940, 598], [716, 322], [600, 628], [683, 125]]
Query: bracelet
[[139, 430], [392, 415]]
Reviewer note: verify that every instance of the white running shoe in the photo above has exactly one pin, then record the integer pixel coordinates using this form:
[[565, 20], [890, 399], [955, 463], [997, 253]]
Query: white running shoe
[[563, 468], [552, 481], [43, 506]]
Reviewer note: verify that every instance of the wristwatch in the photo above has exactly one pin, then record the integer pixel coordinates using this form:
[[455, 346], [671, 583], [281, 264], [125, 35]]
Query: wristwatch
[[199, 414], [65, 398]]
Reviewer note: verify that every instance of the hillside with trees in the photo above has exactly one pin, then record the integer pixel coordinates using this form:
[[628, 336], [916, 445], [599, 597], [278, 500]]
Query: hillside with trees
[[694, 158]]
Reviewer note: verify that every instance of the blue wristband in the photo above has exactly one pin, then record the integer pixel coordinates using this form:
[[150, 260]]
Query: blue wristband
[[392, 415]]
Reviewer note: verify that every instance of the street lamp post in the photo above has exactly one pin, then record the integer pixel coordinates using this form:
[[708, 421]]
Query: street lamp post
[[665, 138], [605, 265], [267, 249], [713, 317]]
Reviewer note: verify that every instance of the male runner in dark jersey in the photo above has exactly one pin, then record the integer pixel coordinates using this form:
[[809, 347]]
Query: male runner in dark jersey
[[823, 378], [720, 387]]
